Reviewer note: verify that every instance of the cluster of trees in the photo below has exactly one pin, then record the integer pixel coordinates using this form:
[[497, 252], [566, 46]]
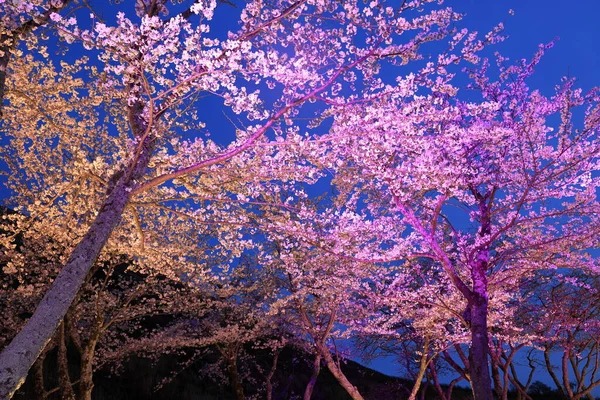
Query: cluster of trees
[[457, 230]]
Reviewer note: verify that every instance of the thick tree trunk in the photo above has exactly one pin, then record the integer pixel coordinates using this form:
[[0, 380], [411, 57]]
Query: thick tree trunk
[[481, 382], [18, 357], [478, 354], [234, 376], [310, 386], [339, 375]]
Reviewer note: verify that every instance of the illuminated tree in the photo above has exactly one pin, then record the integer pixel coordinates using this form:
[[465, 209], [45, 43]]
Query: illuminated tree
[[563, 316], [18, 19], [109, 154], [321, 300], [112, 305], [487, 191]]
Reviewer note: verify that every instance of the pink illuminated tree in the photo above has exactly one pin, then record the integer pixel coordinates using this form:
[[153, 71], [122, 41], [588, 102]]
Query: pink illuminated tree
[[486, 190], [320, 298]]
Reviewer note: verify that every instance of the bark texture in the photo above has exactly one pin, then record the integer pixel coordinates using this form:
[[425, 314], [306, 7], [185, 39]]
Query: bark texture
[[481, 382], [18, 357], [478, 355]]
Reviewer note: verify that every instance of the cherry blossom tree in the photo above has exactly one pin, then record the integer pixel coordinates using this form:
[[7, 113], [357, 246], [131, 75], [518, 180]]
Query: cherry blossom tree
[[117, 139], [415, 310], [323, 300], [20, 18], [224, 316], [562, 314], [520, 167], [418, 316], [113, 303], [111, 154]]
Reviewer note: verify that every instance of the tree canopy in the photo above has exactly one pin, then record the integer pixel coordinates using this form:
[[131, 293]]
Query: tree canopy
[[451, 185]]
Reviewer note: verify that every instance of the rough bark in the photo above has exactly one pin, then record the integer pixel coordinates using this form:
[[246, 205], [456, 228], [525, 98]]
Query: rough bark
[[18, 357], [310, 386], [478, 354], [481, 382]]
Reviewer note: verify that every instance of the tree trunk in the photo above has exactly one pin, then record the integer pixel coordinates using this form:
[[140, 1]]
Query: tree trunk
[[310, 386], [436, 381], [565, 373], [550, 369], [424, 362], [271, 373], [38, 378], [18, 357], [478, 354], [498, 386], [86, 377], [339, 375], [64, 379], [234, 376], [481, 383]]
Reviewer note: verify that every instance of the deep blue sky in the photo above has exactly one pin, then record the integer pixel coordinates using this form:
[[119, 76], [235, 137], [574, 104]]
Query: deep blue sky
[[540, 21], [576, 52]]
